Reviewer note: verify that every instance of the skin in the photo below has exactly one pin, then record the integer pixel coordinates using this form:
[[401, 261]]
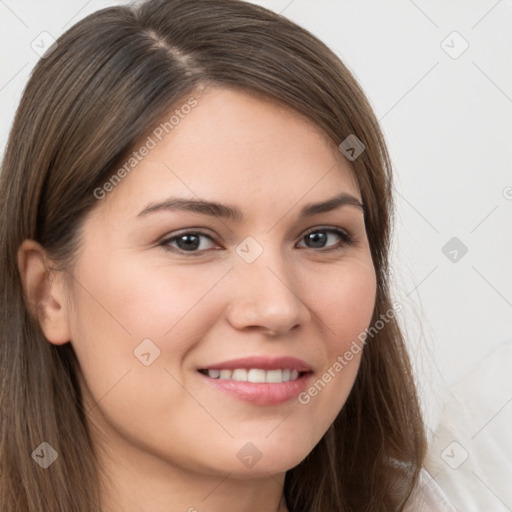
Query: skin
[[166, 438]]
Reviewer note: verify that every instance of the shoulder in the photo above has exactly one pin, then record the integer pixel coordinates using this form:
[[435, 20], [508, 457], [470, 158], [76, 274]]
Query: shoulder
[[428, 496]]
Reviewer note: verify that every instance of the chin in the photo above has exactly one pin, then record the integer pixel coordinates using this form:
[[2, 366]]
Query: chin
[[269, 458]]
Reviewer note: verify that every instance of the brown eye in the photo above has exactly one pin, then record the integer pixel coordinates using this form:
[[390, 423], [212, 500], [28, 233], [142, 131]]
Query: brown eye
[[319, 238], [189, 241]]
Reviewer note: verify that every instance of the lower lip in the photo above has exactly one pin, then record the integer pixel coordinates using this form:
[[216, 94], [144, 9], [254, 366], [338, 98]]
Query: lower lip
[[261, 393]]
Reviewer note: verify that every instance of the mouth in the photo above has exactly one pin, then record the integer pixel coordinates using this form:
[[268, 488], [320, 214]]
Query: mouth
[[255, 375], [259, 380]]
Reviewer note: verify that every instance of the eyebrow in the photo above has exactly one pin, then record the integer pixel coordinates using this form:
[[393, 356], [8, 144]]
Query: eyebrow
[[235, 214]]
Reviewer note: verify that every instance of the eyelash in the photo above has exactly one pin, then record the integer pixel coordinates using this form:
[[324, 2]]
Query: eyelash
[[347, 240]]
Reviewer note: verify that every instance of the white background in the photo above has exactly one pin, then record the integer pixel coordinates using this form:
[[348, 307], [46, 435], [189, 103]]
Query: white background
[[448, 123]]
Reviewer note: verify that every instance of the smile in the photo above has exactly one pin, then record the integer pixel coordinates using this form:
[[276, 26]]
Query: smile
[[256, 375]]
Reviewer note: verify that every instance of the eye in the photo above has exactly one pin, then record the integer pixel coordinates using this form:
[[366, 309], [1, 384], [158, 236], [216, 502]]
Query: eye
[[319, 237], [189, 241]]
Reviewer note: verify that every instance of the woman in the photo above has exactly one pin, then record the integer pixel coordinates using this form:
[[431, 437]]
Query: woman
[[196, 202]]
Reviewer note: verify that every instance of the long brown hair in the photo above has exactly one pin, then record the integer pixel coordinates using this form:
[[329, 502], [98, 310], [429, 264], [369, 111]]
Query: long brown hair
[[111, 78]]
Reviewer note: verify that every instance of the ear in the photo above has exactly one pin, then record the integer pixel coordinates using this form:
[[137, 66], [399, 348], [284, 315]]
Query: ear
[[45, 290]]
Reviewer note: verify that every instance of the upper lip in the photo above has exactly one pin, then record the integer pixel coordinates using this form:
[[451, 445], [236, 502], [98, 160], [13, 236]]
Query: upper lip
[[262, 362]]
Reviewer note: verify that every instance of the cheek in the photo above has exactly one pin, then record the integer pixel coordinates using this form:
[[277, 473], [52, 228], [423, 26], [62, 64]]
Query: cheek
[[345, 302], [120, 303], [144, 301]]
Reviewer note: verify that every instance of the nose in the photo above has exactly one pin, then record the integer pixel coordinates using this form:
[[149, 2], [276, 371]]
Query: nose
[[265, 296]]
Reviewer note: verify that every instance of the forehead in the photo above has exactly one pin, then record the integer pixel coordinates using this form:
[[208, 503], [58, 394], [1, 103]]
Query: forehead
[[233, 144]]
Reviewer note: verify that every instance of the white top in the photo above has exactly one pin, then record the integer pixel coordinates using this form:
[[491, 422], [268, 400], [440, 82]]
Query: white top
[[429, 497], [470, 454]]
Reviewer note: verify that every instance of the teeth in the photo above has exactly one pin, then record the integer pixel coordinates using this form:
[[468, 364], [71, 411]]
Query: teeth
[[274, 376], [215, 374], [224, 374], [239, 374], [255, 375]]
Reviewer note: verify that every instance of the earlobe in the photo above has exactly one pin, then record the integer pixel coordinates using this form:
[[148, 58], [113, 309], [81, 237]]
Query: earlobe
[[45, 292]]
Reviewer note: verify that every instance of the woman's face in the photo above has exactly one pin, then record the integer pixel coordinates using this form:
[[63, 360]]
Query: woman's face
[[163, 293]]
